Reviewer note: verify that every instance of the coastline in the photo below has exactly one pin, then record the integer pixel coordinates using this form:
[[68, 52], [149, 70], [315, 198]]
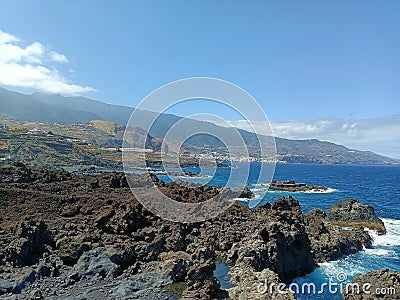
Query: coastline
[[186, 251]]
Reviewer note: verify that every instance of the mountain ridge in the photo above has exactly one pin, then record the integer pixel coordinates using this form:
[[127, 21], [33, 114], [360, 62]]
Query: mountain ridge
[[56, 108]]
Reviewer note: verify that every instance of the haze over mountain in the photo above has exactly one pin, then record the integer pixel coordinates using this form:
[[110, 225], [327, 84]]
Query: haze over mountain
[[57, 108]]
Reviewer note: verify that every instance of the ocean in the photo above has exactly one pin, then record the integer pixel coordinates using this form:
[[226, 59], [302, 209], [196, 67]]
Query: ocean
[[378, 186]]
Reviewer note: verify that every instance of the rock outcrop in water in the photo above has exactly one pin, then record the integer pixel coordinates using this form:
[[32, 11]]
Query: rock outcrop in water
[[69, 236], [330, 242], [379, 284], [341, 230], [352, 213]]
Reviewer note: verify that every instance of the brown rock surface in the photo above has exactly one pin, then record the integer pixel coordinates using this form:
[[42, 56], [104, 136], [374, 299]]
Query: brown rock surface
[[66, 217], [379, 284], [341, 230]]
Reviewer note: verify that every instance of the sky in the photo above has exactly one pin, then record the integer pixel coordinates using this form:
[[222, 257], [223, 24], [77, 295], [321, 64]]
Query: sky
[[314, 66]]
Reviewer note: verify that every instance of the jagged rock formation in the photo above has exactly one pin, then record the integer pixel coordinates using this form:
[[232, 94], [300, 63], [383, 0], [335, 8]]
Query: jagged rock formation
[[352, 213], [66, 235], [341, 230], [379, 284]]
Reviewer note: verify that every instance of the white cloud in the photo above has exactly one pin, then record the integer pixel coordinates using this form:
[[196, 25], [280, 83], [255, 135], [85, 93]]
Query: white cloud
[[7, 38], [58, 57], [28, 67], [380, 135]]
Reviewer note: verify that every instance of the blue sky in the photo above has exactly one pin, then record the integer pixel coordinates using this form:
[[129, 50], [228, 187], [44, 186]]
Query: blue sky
[[303, 61]]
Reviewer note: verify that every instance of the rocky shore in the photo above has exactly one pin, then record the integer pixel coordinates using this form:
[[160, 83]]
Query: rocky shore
[[341, 230], [292, 186], [68, 236], [379, 284]]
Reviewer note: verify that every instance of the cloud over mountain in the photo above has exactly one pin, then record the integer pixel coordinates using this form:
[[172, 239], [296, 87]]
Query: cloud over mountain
[[381, 135], [31, 66]]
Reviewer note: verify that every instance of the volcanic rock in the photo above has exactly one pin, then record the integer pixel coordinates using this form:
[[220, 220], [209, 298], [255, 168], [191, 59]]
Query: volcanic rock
[[200, 279], [78, 232], [379, 284], [341, 231], [31, 242], [353, 213]]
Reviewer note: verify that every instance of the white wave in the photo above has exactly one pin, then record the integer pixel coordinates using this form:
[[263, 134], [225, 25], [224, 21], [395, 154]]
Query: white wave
[[241, 199], [277, 192], [259, 185], [380, 252], [235, 199], [255, 198], [313, 191], [384, 247], [392, 236], [258, 190], [327, 264], [318, 191], [347, 265]]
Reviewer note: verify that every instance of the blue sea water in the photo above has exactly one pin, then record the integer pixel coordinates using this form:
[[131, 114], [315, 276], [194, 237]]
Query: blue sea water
[[378, 186]]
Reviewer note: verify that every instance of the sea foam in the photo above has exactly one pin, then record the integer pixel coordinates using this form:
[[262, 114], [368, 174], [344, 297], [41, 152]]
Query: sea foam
[[380, 252], [392, 236], [347, 265], [318, 191], [313, 191]]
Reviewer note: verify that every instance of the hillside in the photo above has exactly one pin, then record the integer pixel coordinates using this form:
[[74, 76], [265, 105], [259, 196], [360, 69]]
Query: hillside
[[68, 114], [58, 145], [315, 151], [45, 144], [50, 151]]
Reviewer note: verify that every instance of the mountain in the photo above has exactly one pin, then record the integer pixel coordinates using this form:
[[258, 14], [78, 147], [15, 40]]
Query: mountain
[[56, 108], [60, 109], [321, 152]]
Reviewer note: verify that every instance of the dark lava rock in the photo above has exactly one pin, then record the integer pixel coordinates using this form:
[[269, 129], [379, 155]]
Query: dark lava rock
[[201, 282], [329, 241], [102, 231], [36, 295], [257, 285], [341, 230], [26, 278], [282, 248], [6, 286], [49, 267], [352, 212], [94, 264], [71, 248], [115, 181], [141, 286], [70, 210], [316, 213], [279, 243], [379, 284], [281, 204], [246, 193], [33, 239], [15, 173]]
